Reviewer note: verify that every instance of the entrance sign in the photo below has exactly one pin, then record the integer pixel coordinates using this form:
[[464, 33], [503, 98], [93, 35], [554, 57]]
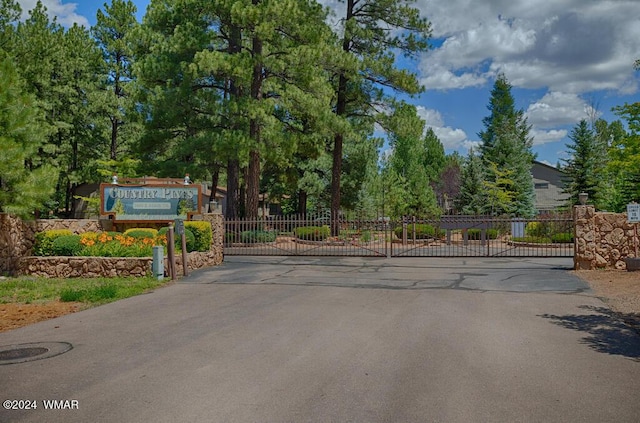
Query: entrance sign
[[633, 213], [150, 202]]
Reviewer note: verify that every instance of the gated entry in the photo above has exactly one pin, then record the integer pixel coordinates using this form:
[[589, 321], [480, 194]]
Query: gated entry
[[305, 236], [450, 236], [460, 236]]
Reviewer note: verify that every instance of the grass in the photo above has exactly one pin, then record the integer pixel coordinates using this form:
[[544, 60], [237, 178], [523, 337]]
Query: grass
[[91, 291]]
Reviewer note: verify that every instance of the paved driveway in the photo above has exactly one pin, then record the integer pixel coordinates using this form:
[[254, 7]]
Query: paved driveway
[[337, 340]]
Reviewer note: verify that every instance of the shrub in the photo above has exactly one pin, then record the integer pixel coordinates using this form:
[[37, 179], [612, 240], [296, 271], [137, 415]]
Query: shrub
[[44, 241], [312, 233], [562, 238], [202, 232], [422, 231], [190, 238], [66, 245], [476, 234], [230, 237], [141, 233], [250, 237], [532, 239], [537, 229]]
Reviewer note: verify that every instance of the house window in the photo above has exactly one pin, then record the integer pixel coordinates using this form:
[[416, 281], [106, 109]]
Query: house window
[[542, 185]]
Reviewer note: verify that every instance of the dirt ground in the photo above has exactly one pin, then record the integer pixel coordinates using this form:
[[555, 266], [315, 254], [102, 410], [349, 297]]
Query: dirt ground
[[13, 316], [620, 290]]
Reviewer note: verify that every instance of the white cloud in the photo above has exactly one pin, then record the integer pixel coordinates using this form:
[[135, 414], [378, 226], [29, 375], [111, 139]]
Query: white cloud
[[557, 109], [65, 13], [542, 137], [568, 46], [451, 138]]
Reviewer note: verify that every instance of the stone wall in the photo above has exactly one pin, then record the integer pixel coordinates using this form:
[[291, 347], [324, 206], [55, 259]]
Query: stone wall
[[17, 238], [603, 240]]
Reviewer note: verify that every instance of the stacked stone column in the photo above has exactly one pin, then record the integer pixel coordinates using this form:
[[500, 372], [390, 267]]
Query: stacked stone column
[[602, 240]]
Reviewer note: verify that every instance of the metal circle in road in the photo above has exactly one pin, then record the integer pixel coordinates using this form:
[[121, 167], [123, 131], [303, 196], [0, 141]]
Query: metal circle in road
[[21, 353]]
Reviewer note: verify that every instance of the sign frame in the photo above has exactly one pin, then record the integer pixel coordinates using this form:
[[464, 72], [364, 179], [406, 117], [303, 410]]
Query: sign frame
[[150, 202]]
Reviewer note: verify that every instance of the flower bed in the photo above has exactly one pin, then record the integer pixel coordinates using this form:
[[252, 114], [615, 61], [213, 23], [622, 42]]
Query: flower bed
[[18, 251]]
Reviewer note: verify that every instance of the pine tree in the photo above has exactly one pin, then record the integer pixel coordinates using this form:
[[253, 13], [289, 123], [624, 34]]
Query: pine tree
[[624, 153], [506, 144], [472, 199], [59, 68], [113, 32], [412, 162], [237, 82], [25, 185], [584, 168], [373, 32]]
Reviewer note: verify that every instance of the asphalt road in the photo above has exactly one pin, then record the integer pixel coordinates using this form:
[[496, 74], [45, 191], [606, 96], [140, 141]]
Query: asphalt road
[[339, 340]]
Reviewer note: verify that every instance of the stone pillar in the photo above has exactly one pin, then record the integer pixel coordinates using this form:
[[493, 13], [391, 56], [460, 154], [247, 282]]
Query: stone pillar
[[585, 237], [217, 235]]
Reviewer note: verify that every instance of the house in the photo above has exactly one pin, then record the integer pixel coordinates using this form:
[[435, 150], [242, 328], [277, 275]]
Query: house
[[549, 184]]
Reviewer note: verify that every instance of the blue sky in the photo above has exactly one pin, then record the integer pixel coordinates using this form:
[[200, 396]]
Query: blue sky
[[567, 60]]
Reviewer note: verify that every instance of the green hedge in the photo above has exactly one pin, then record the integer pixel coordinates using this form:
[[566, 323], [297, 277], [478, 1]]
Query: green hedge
[[559, 238], [423, 231], [312, 233], [141, 233], [562, 238], [66, 245], [257, 236], [476, 234], [532, 239], [202, 231], [190, 238], [43, 245]]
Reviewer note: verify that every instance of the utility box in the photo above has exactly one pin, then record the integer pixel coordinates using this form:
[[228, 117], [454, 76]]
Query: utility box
[[518, 228], [157, 266]]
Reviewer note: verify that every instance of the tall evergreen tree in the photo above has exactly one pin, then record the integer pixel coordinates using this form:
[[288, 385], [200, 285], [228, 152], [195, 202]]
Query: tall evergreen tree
[[507, 145], [472, 199], [246, 72], [81, 142], [59, 69], [624, 153], [584, 168], [373, 32], [113, 32], [10, 12], [25, 184], [412, 162]]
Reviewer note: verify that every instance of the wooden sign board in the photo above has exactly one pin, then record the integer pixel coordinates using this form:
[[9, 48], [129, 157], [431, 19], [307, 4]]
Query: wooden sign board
[[150, 202]]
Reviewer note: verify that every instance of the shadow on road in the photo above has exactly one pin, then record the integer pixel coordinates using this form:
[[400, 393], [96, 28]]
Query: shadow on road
[[607, 331]]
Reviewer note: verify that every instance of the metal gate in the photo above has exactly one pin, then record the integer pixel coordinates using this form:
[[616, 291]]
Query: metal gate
[[449, 236], [467, 236], [305, 236]]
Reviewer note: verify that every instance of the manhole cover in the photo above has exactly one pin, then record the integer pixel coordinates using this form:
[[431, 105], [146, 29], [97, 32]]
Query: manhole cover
[[20, 353]]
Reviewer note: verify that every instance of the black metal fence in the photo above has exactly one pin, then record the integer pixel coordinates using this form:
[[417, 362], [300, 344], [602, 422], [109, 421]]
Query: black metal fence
[[449, 236], [460, 236]]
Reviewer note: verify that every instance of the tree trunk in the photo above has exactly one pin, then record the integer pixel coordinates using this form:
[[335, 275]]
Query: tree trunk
[[341, 110], [253, 174], [336, 170], [233, 163], [233, 189], [302, 202], [215, 177], [253, 185]]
